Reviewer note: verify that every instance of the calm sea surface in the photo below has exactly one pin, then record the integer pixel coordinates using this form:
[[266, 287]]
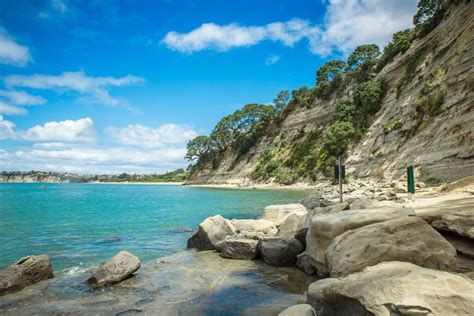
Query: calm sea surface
[[79, 225]]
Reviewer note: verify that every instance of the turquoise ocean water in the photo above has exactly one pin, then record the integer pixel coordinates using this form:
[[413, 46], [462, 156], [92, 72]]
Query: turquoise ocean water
[[79, 225]]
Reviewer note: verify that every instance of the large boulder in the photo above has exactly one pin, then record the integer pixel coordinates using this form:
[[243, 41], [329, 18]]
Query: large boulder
[[460, 222], [254, 225], [239, 248], [364, 203], [279, 252], [277, 213], [291, 225], [394, 288], [211, 233], [298, 310], [117, 269], [26, 271], [408, 239], [325, 227]]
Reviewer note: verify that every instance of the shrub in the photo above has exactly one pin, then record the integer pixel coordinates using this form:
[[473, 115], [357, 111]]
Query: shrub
[[368, 97], [387, 129]]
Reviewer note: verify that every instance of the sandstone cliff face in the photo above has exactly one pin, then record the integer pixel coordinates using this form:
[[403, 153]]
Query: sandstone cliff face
[[407, 130]]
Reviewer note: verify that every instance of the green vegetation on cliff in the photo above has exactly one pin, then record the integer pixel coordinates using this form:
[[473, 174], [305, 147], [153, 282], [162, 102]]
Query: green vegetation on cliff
[[313, 154]]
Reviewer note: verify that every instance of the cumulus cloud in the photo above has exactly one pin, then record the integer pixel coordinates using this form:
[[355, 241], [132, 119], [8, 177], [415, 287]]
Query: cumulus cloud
[[272, 59], [147, 137], [93, 88], [11, 52], [222, 38], [9, 109], [22, 97], [347, 23], [6, 128], [81, 131]]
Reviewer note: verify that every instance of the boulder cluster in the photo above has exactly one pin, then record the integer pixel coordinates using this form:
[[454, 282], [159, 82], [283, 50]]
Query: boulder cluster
[[373, 257], [33, 269]]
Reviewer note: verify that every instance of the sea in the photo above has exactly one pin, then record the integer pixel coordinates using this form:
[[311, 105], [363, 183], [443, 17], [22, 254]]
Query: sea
[[82, 225]]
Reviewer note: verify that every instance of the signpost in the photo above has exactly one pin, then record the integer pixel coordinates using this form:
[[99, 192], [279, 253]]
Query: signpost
[[340, 175], [410, 182]]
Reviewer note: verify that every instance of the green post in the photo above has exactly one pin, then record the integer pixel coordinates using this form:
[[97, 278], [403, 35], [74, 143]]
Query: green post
[[411, 180]]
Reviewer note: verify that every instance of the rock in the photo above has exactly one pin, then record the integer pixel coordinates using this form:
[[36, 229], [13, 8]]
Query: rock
[[301, 236], [211, 233], [408, 239], [463, 245], [338, 207], [117, 269], [277, 213], [364, 203], [238, 248], [254, 225], [459, 222], [394, 288], [298, 310], [279, 252], [325, 227], [311, 202], [26, 271], [304, 264], [291, 225]]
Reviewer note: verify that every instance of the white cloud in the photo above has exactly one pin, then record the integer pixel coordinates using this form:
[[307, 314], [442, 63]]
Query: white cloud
[[81, 130], [223, 38], [22, 97], [11, 52], [9, 109], [6, 128], [347, 24], [272, 59], [146, 137], [95, 89]]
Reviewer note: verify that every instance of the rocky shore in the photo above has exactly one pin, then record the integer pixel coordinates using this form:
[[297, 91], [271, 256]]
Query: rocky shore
[[376, 253]]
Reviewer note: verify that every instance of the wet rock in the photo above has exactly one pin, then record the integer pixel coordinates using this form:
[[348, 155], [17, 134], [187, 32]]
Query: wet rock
[[394, 288], [119, 268], [298, 310], [26, 271], [301, 236], [277, 213], [254, 225], [304, 264], [239, 248], [325, 227], [211, 233], [279, 252], [408, 239]]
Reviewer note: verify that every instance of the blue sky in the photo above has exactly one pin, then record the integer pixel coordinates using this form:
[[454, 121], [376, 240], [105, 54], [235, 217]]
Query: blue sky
[[113, 86]]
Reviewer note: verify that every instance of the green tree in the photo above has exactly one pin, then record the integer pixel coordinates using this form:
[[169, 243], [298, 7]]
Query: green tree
[[329, 77], [344, 111], [429, 14], [363, 57], [368, 97], [281, 100], [197, 146], [337, 137], [399, 44], [303, 96]]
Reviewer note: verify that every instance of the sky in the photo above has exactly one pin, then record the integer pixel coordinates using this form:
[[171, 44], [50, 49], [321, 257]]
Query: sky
[[109, 86]]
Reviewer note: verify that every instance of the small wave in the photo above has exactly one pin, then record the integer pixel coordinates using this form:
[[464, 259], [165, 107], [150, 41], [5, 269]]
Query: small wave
[[75, 270]]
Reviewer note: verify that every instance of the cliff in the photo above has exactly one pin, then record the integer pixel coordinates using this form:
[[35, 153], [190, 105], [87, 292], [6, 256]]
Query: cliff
[[426, 117]]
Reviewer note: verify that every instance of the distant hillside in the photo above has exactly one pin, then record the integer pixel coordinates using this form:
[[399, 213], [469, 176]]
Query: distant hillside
[[410, 105], [178, 175]]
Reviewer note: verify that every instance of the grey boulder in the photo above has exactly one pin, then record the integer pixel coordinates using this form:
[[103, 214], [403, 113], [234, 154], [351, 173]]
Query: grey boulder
[[117, 269], [211, 233], [304, 264], [408, 239], [394, 288], [279, 252], [26, 271], [298, 310], [239, 248]]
